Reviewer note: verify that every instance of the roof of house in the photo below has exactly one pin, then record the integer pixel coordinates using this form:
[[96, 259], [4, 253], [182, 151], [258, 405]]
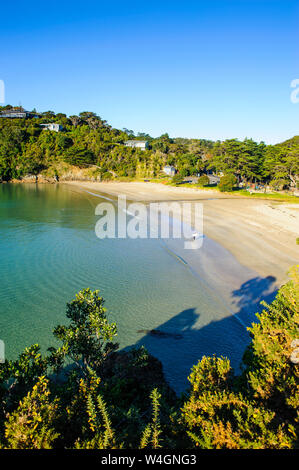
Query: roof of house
[[16, 110]]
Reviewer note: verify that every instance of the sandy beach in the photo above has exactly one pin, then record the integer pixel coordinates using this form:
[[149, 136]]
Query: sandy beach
[[260, 234]]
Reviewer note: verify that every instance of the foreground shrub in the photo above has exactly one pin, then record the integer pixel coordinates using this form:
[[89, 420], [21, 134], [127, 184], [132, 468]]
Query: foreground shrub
[[218, 417], [177, 179], [203, 180], [260, 408], [31, 425], [227, 183], [106, 399]]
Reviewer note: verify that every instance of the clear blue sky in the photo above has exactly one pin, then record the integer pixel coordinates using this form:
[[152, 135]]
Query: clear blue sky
[[204, 69]]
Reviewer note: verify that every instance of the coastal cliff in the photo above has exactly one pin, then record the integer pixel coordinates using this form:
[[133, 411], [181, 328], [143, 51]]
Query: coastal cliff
[[59, 173]]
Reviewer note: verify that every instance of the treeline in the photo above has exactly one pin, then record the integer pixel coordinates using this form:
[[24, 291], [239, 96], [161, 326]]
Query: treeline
[[86, 394], [250, 161], [88, 141]]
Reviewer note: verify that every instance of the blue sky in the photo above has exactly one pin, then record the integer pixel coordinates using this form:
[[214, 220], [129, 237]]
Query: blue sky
[[203, 69]]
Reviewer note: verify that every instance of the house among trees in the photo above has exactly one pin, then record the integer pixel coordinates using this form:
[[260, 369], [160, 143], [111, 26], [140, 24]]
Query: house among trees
[[52, 127], [213, 179], [17, 112], [191, 179], [140, 144], [169, 170]]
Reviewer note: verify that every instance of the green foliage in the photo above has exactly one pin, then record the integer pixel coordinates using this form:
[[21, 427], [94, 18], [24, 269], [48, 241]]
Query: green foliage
[[278, 184], [106, 176], [282, 161], [86, 395], [79, 157], [242, 158], [177, 179], [32, 424], [100, 425], [260, 408], [271, 375], [226, 420], [26, 369], [89, 141], [87, 340], [151, 433], [203, 180], [227, 183], [18, 377]]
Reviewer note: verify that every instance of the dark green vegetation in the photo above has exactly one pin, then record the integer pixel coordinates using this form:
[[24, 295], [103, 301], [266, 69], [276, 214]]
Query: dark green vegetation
[[85, 394], [203, 180], [89, 142]]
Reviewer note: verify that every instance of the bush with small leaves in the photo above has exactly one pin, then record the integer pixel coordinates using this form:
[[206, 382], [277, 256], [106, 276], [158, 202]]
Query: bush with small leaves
[[203, 180], [227, 183], [177, 179], [87, 340], [32, 424]]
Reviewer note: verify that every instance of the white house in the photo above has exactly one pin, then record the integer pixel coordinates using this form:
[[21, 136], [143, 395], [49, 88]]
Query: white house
[[52, 127], [140, 144], [169, 170], [17, 112]]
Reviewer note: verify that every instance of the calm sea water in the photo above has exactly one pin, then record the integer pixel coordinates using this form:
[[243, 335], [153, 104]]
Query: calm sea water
[[49, 251]]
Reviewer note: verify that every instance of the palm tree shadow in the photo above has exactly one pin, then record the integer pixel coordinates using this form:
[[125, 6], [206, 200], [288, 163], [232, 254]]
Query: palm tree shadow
[[181, 342]]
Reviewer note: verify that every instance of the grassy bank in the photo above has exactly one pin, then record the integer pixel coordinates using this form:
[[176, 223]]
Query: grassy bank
[[272, 196]]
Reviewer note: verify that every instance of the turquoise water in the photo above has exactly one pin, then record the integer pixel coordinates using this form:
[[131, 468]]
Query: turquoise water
[[49, 251]]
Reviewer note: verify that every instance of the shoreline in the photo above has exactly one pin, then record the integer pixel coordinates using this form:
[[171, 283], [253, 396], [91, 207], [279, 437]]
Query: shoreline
[[204, 295], [229, 283], [261, 234]]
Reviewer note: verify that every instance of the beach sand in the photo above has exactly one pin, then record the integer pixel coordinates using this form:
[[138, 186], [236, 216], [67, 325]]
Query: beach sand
[[260, 234]]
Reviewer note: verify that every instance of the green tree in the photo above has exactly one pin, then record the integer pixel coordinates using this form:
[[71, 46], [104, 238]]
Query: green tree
[[79, 157], [227, 183], [87, 340], [203, 180]]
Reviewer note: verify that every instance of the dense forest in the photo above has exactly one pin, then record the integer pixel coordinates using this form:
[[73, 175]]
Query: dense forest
[[86, 394], [89, 142]]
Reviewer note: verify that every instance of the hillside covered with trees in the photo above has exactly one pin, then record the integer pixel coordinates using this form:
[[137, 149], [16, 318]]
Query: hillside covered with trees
[[89, 142], [86, 394]]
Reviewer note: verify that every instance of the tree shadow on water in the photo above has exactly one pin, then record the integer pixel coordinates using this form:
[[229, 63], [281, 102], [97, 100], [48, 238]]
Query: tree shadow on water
[[180, 342], [247, 299]]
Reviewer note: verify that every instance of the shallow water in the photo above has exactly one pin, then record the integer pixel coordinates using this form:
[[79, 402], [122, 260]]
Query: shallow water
[[49, 251]]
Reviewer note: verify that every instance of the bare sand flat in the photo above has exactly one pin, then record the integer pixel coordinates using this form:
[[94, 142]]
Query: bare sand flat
[[261, 234], [147, 191]]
